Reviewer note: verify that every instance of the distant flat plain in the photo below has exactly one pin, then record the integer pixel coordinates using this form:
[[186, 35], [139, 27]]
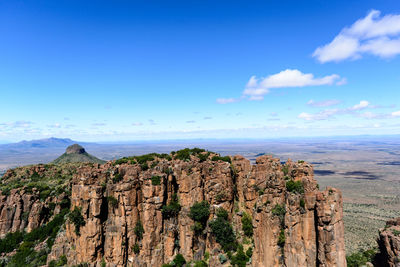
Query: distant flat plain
[[365, 168]]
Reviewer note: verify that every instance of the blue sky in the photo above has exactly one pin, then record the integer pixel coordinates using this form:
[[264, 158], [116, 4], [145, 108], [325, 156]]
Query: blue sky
[[133, 70]]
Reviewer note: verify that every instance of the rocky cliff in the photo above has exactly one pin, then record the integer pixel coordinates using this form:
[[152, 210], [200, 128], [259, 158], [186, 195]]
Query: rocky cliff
[[389, 244], [190, 206]]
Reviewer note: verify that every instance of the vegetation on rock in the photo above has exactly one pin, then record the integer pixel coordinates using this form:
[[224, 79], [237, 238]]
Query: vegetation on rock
[[77, 219], [172, 209], [247, 225], [199, 212], [295, 186], [223, 231]]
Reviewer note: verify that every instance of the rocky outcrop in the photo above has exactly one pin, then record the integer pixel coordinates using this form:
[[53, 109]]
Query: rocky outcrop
[[294, 224], [75, 149], [389, 244]]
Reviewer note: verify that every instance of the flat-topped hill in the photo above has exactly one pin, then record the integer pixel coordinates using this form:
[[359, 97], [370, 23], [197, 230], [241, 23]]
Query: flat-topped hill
[[76, 153]]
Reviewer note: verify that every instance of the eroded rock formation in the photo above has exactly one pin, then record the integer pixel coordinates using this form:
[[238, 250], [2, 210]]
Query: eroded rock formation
[[294, 224], [389, 244]]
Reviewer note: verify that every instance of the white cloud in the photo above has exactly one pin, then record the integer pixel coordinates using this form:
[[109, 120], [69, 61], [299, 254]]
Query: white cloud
[[256, 88], [226, 100], [322, 115], [325, 103], [379, 36], [137, 124], [355, 111], [363, 104]]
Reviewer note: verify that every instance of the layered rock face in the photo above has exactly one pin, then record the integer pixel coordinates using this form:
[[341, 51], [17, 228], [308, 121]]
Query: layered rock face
[[389, 244], [294, 224]]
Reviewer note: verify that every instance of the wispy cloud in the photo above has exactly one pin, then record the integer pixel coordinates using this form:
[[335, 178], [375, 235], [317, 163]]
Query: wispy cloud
[[191, 121], [137, 124], [354, 110], [322, 115], [99, 124], [55, 125], [207, 118], [227, 100], [17, 124], [324, 103], [373, 34]]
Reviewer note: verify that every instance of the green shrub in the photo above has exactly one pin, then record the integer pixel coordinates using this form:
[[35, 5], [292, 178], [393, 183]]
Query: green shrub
[[396, 232], [121, 161], [360, 258], [220, 196], [197, 228], [179, 260], [302, 203], [203, 157], [112, 201], [285, 169], [61, 262], [240, 259], [139, 230], [247, 225], [295, 187], [200, 211], [136, 248], [200, 264], [172, 209], [153, 164], [155, 180], [279, 211], [183, 154], [117, 178], [206, 255], [281, 238], [11, 242], [77, 219], [249, 252], [225, 158], [144, 166], [222, 213], [222, 230]]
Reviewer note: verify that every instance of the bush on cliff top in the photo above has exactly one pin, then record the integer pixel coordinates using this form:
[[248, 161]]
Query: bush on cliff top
[[225, 158], [184, 154]]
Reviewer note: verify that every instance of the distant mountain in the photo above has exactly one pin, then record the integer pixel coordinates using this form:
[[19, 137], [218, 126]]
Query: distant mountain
[[41, 143], [76, 153]]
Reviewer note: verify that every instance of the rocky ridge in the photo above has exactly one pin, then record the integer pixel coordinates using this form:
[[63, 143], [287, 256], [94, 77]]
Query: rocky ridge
[[137, 212]]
